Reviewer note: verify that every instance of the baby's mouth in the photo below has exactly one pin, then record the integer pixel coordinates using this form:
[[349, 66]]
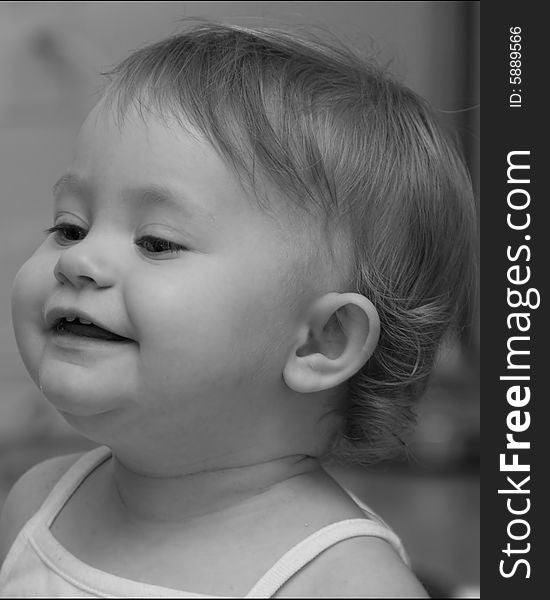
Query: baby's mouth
[[86, 329]]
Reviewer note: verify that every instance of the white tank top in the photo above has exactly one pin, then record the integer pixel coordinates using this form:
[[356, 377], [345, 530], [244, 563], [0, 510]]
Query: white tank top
[[37, 565]]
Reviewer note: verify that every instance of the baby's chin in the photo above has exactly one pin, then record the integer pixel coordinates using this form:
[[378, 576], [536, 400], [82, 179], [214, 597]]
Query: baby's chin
[[78, 392]]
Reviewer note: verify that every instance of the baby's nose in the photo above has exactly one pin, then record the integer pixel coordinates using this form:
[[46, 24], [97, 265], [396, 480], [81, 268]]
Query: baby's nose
[[84, 264]]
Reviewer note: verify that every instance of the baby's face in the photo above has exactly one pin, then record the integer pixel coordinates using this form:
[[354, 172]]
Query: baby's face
[[158, 243]]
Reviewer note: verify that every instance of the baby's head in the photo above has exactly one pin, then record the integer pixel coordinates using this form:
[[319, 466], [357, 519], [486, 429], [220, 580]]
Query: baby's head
[[278, 232]]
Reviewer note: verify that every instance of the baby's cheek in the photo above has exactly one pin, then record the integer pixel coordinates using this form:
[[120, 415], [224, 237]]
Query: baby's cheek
[[29, 293], [261, 330], [213, 321]]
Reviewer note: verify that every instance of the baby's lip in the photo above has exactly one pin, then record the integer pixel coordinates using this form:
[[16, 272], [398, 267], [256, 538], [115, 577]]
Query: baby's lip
[[55, 314]]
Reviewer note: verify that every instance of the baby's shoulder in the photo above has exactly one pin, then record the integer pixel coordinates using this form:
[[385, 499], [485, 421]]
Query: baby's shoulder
[[360, 567], [364, 566], [27, 495]]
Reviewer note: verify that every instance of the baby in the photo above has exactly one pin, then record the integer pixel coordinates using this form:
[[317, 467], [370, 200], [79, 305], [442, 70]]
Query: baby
[[254, 255]]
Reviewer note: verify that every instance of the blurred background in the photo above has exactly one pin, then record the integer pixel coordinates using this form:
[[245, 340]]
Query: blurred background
[[51, 57]]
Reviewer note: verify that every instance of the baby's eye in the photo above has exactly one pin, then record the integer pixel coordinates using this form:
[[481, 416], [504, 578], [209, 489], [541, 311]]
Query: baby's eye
[[67, 232], [154, 245]]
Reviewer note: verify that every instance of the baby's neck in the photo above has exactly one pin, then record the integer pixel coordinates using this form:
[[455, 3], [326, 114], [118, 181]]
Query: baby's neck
[[189, 496]]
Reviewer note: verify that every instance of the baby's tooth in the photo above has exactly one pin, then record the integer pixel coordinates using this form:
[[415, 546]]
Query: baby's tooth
[[85, 322], [70, 318]]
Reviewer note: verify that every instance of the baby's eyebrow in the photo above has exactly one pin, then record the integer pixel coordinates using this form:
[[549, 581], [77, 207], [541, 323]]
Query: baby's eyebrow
[[149, 194], [72, 184], [158, 194]]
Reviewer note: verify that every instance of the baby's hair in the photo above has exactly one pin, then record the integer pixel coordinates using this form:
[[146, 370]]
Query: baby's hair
[[341, 139]]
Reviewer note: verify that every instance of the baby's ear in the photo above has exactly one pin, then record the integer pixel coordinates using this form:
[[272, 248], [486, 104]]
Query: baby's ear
[[338, 336]]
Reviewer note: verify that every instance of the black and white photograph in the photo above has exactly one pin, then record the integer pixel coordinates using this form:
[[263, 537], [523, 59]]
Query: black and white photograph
[[240, 301]]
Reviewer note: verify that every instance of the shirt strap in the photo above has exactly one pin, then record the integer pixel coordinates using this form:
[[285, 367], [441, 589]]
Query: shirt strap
[[309, 548], [69, 483]]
